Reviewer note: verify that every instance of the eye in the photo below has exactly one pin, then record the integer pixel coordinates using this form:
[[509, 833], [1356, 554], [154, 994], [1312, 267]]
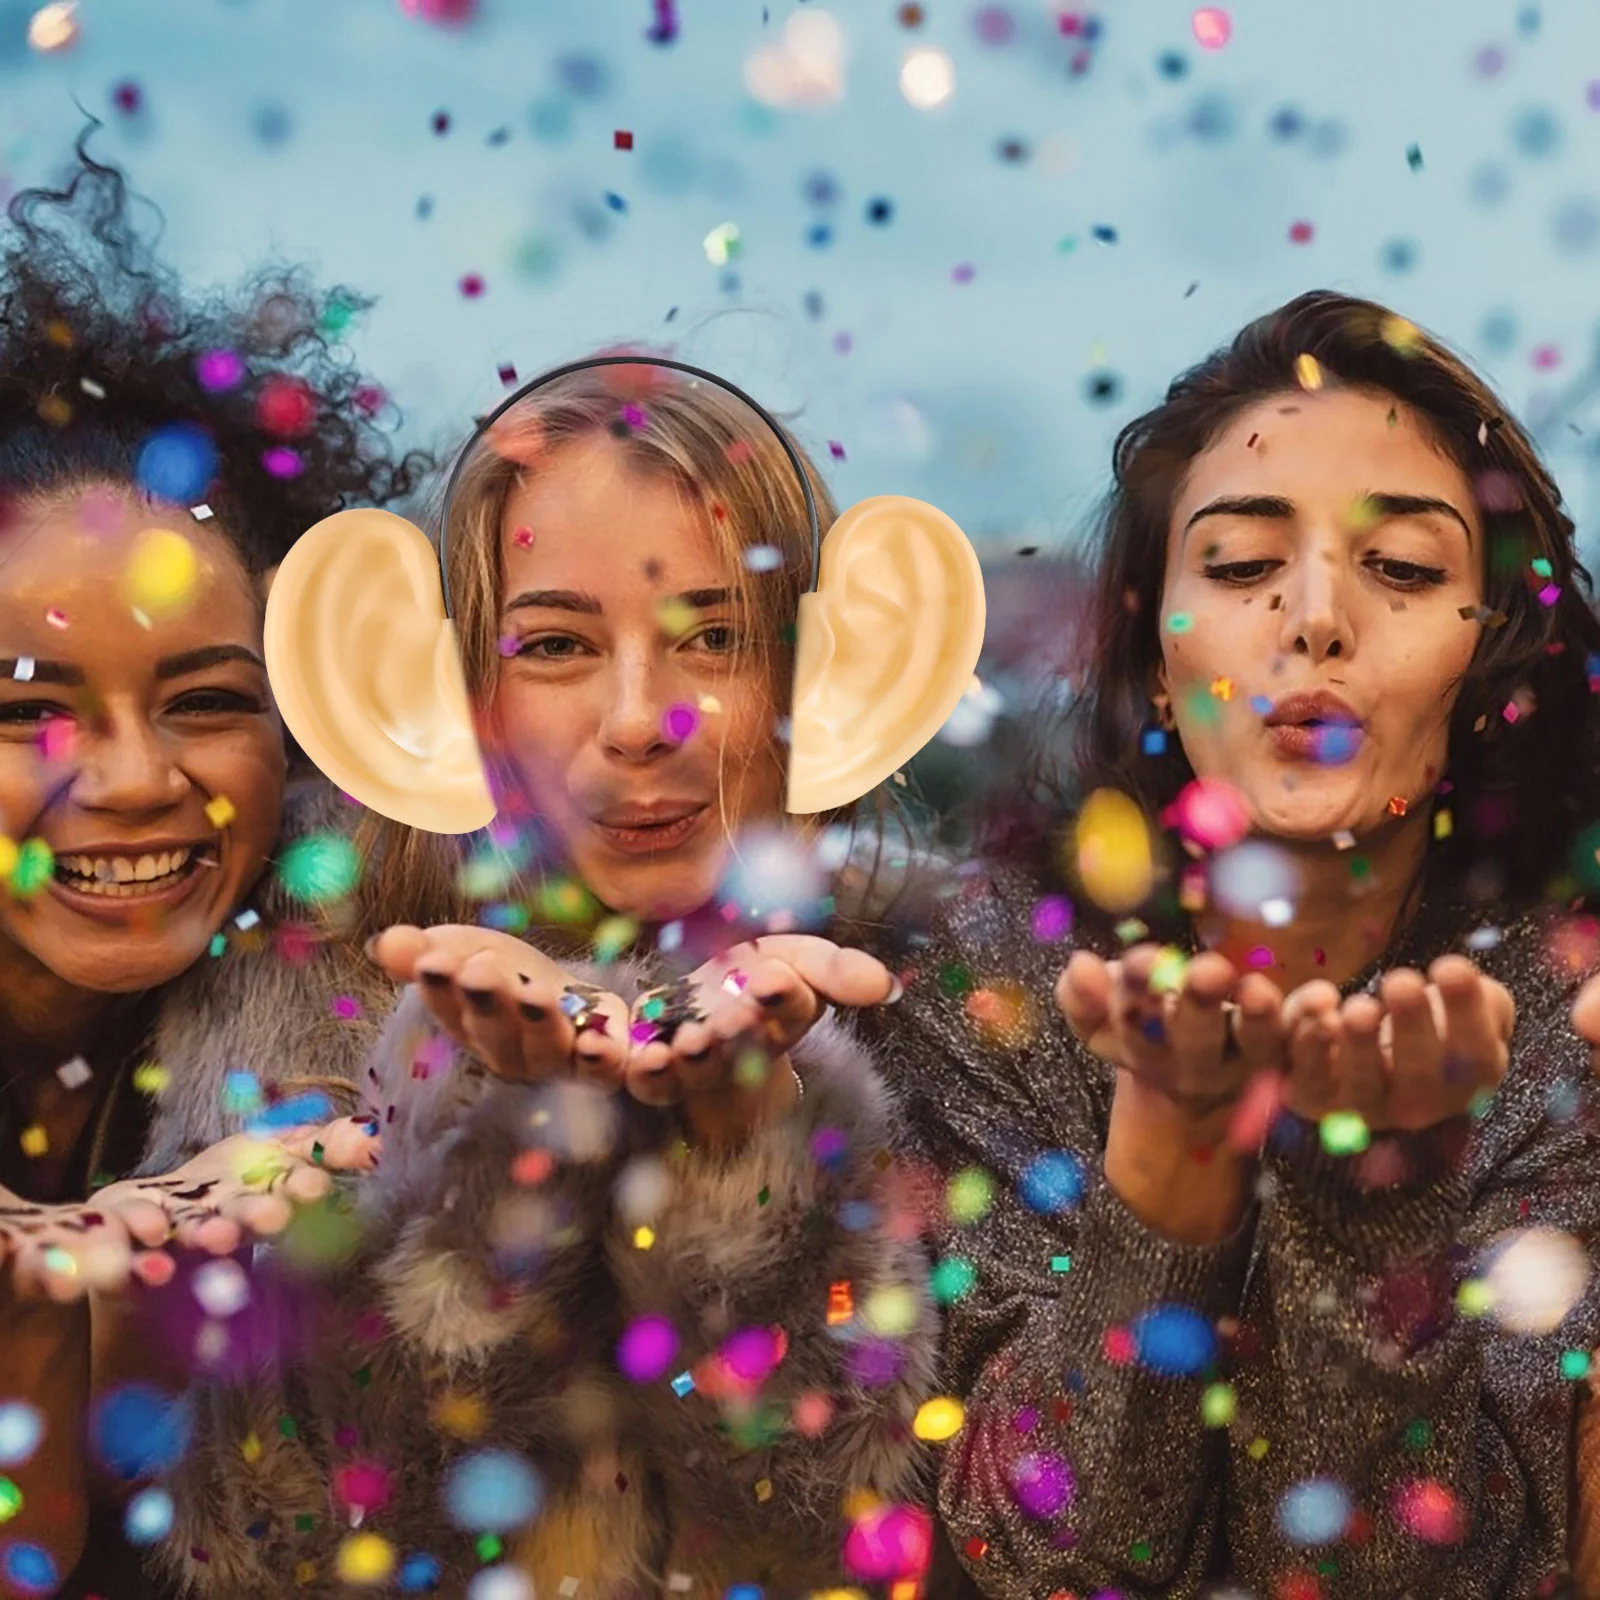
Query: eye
[[551, 647], [717, 638], [1406, 574], [1239, 573], [216, 703], [30, 713]]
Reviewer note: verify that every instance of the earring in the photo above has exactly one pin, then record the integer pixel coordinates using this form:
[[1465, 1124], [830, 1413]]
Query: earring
[[1165, 720]]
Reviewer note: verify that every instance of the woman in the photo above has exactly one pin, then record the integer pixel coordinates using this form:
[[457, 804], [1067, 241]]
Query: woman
[[644, 1344], [160, 988], [1277, 1290]]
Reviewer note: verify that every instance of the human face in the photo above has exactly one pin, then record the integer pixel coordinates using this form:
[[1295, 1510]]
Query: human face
[[619, 609], [122, 736], [1324, 542]]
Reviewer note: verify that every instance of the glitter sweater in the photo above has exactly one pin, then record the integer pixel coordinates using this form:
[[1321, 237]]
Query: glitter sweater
[[1373, 1438]]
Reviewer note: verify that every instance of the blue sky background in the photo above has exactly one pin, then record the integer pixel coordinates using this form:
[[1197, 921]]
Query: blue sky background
[[306, 127]]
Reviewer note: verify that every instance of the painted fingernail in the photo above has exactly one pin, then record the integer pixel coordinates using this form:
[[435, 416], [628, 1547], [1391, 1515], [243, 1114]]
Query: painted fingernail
[[897, 992], [370, 948], [532, 1012], [481, 1000], [434, 980], [769, 999]]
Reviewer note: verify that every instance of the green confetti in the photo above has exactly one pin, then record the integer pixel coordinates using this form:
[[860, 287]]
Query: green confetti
[[320, 868], [1218, 1405], [1344, 1133], [489, 1547], [1574, 1365], [10, 1499], [286, 1426], [955, 980], [764, 1196], [1419, 1433], [952, 1279], [1179, 622], [218, 945], [1061, 1263], [1474, 1298], [1139, 1550], [969, 1195], [36, 865]]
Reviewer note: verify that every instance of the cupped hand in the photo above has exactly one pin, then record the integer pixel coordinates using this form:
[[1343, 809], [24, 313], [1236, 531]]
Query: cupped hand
[[242, 1187], [1586, 1019], [1195, 1042], [1414, 1055], [728, 1062], [508, 1004]]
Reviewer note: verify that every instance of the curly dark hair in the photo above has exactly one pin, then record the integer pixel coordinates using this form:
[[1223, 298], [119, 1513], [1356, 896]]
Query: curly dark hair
[[100, 349], [1522, 789]]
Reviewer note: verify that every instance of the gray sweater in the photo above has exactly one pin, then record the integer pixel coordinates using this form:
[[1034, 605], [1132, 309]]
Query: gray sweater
[[1429, 1448]]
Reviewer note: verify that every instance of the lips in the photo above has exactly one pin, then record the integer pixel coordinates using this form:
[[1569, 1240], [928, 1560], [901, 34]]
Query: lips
[[133, 871], [1314, 709], [653, 814], [650, 829]]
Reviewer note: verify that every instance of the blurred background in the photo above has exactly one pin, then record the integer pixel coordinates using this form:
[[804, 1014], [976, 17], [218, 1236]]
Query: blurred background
[[959, 243]]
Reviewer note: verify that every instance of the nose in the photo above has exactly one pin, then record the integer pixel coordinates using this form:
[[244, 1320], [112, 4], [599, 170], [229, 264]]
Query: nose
[[637, 696], [123, 765], [1315, 612]]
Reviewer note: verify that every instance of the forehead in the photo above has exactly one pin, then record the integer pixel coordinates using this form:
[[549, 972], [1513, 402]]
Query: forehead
[[590, 517], [1340, 443], [72, 572]]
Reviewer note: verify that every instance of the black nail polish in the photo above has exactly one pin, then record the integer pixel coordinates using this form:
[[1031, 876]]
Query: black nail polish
[[435, 980], [769, 999], [481, 1000], [532, 1012]]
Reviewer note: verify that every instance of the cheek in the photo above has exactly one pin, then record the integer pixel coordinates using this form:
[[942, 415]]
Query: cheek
[[248, 770], [539, 731], [25, 787]]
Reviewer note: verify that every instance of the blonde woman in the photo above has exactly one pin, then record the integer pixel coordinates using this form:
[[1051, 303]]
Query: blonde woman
[[661, 1340]]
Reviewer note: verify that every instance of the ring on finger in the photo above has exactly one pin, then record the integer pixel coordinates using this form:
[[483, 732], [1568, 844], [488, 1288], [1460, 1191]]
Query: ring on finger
[[580, 1004], [664, 1010]]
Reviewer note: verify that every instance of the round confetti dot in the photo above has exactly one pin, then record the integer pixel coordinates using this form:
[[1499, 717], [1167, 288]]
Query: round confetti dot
[[1211, 813], [148, 1517], [1042, 1485], [1102, 388], [1212, 27], [177, 463], [162, 574], [500, 1583], [282, 463], [994, 25], [646, 1349], [365, 1558], [471, 286], [217, 371], [1428, 1511], [969, 1195], [1174, 1341], [320, 868], [136, 1431], [1218, 1405], [939, 1419], [126, 97], [1314, 1512], [679, 723], [927, 79], [419, 1573], [1535, 1278], [1536, 132], [54, 27], [30, 1569], [952, 1279], [492, 1492], [1052, 1183], [880, 211], [1344, 1133], [751, 1354], [1300, 232], [222, 1288], [889, 1544], [1115, 861], [10, 1500], [286, 407], [21, 1429], [1051, 919], [1252, 874]]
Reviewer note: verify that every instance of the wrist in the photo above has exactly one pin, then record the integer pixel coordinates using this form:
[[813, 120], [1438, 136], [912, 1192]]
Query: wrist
[[1173, 1166], [722, 1119]]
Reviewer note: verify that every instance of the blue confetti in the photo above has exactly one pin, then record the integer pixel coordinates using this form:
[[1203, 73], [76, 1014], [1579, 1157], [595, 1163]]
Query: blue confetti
[[1052, 1183], [1174, 1341], [177, 464], [137, 1430]]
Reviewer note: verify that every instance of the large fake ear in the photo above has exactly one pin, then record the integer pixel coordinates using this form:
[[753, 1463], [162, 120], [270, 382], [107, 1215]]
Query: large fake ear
[[886, 648], [367, 672]]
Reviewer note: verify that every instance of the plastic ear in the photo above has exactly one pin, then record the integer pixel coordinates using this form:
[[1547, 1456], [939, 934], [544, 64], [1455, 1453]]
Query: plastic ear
[[367, 672], [886, 647]]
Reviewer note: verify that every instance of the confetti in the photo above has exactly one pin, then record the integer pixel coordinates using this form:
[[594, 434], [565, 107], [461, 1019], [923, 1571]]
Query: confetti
[[161, 578], [622, 140], [1114, 855], [1212, 27], [646, 1349], [54, 28], [1307, 373], [939, 1419], [927, 79], [366, 1559]]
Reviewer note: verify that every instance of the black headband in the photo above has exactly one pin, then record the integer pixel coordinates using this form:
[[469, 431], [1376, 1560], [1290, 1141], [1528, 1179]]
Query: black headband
[[630, 361]]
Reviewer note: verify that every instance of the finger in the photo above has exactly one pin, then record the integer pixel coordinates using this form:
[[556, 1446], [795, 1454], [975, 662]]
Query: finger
[[1258, 1025], [349, 1144], [1083, 996], [651, 1073], [154, 1268], [1363, 1079], [785, 1006], [1316, 998], [396, 950], [1586, 1018], [841, 976], [1310, 1089], [303, 1186], [146, 1222], [263, 1215], [1415, 1054], [1197, 1029], [487, 987], [600, 1051], [215, 1235], [1479, 1015]]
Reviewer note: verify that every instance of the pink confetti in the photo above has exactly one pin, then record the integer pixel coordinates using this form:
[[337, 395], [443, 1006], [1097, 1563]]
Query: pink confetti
[[56, 617], [963, 273], [1301, 233], [1546, 356], [680, 722], [1213, 27], [472, 286], [346, 1006], [1550, 594]]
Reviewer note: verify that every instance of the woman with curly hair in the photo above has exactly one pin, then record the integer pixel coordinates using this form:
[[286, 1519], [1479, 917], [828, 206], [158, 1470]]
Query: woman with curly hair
[[160, 988]]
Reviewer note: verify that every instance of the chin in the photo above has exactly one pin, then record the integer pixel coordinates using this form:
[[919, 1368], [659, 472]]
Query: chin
[[121, 968], [656, 893]]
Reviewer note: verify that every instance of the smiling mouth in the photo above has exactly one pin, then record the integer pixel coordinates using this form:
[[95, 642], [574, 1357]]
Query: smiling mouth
[[119, 877]]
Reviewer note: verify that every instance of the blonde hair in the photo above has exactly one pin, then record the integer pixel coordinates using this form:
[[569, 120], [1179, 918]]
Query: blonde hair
[[718, 452]]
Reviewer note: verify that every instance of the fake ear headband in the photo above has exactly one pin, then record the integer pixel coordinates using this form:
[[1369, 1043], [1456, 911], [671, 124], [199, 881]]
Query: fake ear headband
[[362, 652]]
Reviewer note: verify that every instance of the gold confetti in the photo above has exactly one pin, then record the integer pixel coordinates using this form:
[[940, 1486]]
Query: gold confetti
[[220, 811], [1443, 824], [1307, 373], [250, 1448], [763, 1489], [162, 576], [1399, 334], [939, 1419], [148, 1078], [1222, 688], [643, 1238], [35, 1141]]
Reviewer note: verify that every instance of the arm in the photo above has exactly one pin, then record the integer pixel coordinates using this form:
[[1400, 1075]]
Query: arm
[[790, 1259], [1078, 1468], [1357, 1309]]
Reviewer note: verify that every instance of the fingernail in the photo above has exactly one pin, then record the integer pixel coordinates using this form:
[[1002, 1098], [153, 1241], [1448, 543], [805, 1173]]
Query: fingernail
[[434, 980], [532, 1012], [370, 948], [897, 991], [768, 999], [481, 1000]]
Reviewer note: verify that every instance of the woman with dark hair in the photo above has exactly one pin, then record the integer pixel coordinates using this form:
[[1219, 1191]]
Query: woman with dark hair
[[1286, 1261], [158, 457]]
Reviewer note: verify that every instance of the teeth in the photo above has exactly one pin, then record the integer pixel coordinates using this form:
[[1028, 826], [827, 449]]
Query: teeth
[[118, 876]]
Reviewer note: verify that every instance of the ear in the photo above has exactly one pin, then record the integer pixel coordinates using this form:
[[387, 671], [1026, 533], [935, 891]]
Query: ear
[[367, 673], [886, 647]]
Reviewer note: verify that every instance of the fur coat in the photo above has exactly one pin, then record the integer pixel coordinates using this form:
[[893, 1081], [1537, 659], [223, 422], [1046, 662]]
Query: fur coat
[[566, 1343]]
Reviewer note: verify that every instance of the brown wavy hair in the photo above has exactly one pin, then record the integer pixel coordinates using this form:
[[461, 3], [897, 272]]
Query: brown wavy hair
[[1521, 790]]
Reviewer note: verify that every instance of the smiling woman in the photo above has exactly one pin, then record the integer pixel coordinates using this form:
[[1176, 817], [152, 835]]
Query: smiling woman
[[158, 456]]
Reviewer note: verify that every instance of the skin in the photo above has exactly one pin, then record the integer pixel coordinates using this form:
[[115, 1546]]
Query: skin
[[581, 704], [579, 709], [1301, 559]]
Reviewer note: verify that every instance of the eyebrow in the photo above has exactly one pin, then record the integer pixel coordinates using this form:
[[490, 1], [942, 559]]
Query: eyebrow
[[587, 605], [1275, 506], [178, 666]]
